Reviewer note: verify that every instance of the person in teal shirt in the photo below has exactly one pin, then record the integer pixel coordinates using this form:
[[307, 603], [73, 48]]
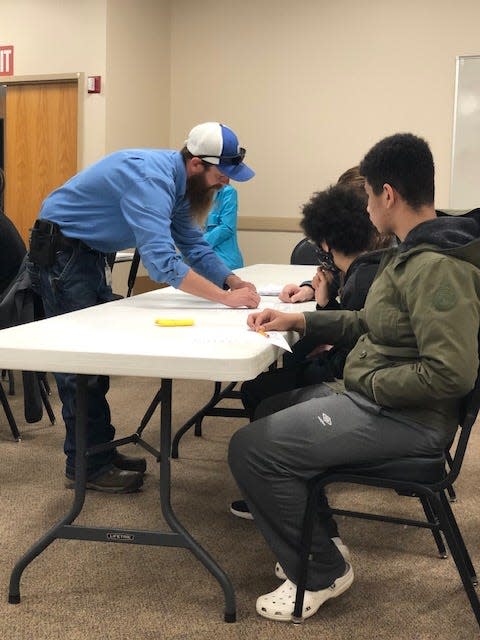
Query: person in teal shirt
[[221, 227]]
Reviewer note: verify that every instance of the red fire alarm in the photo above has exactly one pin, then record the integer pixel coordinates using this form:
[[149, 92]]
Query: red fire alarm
[[94, 84]]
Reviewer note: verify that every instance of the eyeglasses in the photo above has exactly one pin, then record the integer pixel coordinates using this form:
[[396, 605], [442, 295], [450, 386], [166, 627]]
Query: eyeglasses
[[325, 259], [235, 160]]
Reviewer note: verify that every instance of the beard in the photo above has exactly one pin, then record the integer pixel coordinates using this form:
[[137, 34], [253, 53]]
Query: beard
[[200, 197]]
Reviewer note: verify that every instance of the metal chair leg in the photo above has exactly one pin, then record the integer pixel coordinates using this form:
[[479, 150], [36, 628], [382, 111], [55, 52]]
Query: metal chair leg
[[305, 546], [9, 414], [429, 514], [45, 400], [455, 544], [11, 383], [452, 496], [44, 379], [458, 536]]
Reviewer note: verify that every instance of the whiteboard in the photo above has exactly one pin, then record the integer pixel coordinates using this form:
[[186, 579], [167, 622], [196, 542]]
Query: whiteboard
[[465, 179]]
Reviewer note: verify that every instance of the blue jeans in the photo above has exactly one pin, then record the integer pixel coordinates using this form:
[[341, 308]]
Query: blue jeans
[[75, 281]]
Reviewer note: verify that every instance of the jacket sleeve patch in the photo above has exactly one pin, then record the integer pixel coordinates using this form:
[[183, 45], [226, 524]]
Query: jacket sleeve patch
[[444, 298]]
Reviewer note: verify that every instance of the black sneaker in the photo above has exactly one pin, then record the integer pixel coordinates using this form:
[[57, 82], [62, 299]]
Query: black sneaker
[[112, 481], [129, 463], [240, 509]]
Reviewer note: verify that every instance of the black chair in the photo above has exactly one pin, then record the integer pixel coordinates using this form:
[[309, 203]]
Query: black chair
[[132, 275], [426, 478], [9, 415], [11, 381], [18, 305], [304, 252]]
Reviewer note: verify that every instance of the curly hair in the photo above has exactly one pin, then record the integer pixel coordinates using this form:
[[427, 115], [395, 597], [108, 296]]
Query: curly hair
[[338, 216], [405, 162]]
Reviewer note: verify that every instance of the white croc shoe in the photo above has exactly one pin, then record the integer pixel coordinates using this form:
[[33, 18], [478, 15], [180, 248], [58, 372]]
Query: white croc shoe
[[279, 604], [338, 542]]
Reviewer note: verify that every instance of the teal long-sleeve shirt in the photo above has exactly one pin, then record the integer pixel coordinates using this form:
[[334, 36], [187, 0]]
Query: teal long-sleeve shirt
[[221, 227]]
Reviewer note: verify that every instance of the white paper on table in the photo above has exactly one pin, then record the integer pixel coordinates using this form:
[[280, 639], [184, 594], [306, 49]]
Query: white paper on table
[[278, 340], [270, 290]]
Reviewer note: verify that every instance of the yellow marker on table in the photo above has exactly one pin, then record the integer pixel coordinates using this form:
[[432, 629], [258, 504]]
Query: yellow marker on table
[[174, 322]]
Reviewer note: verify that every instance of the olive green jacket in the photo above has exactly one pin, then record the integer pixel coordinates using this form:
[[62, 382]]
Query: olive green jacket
[[415, 343]]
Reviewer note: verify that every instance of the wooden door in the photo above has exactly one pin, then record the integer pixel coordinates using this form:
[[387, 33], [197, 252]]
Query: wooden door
[[40, 146]]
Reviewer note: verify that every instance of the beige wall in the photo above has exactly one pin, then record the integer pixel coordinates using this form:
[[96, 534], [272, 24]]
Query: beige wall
[[137, 74], [267, 247], [311, 85]]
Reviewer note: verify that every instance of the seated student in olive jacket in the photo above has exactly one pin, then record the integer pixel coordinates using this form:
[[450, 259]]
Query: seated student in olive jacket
[[414, 357]]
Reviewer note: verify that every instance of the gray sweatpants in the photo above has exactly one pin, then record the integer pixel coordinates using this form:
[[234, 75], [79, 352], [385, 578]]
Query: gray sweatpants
[[273, 457]]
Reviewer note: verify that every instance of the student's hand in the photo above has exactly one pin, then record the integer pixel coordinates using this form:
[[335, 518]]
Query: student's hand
[[273, 320], [294, 293], [234, 282], [320, 283], [244, 297]]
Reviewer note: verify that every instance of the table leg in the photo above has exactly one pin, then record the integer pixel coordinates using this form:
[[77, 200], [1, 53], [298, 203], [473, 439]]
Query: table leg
[[165, 486], [80, 479], [210, 409], [179, 537]]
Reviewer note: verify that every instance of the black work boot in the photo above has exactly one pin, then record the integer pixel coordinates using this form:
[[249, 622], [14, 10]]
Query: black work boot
[[129, 463], [113, 481]]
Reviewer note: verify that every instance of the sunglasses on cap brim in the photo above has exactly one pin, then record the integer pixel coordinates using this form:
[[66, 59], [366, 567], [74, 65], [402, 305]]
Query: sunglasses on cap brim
[[235, 160]]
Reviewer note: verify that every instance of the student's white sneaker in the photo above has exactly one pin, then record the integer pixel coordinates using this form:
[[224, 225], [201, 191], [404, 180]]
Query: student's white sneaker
[[240, 509], [279, 604], [338, 542]]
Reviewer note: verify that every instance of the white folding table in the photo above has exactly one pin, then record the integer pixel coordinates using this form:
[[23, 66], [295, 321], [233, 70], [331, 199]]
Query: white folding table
[[121, 338]]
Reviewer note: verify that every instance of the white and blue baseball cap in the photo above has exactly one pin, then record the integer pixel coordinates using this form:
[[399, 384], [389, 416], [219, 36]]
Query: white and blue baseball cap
[[217, 144]]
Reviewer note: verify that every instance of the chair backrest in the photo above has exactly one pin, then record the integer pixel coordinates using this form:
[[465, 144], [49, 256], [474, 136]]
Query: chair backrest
[[304, 252], [12, 251], [468, 416], [132, 275]]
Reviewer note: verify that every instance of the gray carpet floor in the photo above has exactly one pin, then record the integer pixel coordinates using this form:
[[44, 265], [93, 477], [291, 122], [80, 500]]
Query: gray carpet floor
[[79, 590]]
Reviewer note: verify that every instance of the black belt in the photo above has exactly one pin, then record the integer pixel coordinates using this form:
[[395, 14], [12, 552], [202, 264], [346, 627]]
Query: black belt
[[46, 238], [61, 241]]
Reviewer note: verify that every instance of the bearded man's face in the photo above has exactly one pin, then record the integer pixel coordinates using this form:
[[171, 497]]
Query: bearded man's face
[[201, 189]]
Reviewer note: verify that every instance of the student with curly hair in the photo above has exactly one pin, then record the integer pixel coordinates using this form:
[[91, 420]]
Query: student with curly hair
[[305, 292], [337, 221]]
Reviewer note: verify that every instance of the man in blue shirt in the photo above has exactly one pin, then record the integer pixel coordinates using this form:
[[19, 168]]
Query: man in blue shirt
[[151, 199]]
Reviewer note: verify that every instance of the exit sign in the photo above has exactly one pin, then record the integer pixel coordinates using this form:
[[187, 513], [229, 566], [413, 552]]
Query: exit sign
[[6, 60]]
